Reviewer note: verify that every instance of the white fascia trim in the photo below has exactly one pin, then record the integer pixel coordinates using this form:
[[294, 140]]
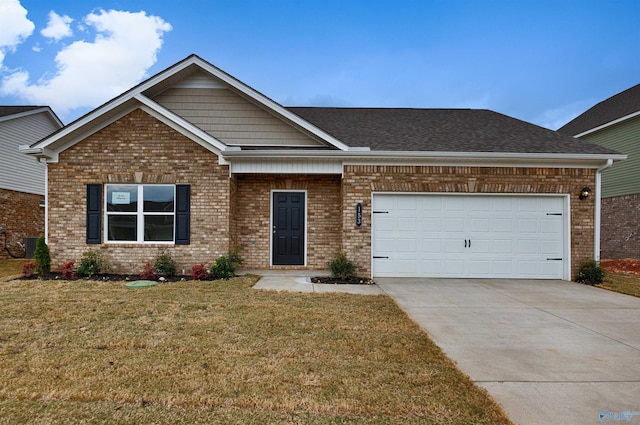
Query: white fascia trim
[[181, 125], [609, 124], [488, 158], [268, 103]]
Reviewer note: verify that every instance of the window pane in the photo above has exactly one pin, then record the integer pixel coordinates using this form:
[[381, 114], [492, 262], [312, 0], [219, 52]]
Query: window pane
[[158, 198], [158, 228], [122, 228], [122, 198]]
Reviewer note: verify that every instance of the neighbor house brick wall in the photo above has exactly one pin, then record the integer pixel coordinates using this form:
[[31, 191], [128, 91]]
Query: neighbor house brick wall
[[360, 181], [620, 227], [254, 211], [137, 148], [20, 216]]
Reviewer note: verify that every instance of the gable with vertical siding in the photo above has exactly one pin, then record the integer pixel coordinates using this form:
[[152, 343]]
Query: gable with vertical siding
[[229, 117]]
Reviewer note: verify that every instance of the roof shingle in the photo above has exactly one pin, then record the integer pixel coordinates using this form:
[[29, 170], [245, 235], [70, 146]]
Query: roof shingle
[[617, 106], [441, 130]]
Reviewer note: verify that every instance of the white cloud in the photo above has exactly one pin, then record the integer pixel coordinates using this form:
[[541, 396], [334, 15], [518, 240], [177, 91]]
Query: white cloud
[[90, 73], [15, 27], [58, 27]]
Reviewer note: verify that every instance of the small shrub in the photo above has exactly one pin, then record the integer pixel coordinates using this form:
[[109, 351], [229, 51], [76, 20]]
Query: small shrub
[[148, 273], [69, 270], [223, 268], [164, 265], [42, 257], [341, 267], [590, 273], [91, 263], [199, 272], [28, 269]]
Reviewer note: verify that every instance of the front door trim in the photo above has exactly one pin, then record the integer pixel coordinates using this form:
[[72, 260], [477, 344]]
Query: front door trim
[[271, 221]]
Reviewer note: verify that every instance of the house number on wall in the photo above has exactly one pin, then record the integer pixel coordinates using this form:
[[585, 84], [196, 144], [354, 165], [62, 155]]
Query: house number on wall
[[358, 214]]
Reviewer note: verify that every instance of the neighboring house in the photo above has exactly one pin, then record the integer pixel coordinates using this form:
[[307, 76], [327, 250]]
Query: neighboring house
[[196, 163], [614, 123], [22, 179]]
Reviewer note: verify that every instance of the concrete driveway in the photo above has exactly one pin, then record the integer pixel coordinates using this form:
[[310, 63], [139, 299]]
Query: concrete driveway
[[547, 351]]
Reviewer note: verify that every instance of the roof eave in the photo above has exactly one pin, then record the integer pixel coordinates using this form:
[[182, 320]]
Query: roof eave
[[609, 124], [422, 154]]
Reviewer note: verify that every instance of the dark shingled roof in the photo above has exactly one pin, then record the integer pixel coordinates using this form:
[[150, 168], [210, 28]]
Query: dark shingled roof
[[11, 110], [618, 106], [445, 130]]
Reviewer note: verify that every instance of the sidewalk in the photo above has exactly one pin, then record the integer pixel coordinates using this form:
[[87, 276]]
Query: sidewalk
[[300, 281]]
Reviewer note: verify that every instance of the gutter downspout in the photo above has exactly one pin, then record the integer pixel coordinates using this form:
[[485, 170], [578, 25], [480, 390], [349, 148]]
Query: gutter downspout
[[598, 202]]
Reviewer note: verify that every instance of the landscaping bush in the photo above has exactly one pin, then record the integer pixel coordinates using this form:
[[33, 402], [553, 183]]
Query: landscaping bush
[[164, 265], [225, 266], [148, 273], [91, 263], [42, 257], [69, 270], [341, 267], [590, 273], [199, 272], [28, 269]]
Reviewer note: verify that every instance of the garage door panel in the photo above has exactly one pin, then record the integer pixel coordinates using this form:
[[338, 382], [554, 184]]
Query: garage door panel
[[511, 236], [454, 224]]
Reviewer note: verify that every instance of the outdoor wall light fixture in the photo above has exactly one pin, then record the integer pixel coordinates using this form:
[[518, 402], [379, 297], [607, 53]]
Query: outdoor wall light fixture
[[584, 193]]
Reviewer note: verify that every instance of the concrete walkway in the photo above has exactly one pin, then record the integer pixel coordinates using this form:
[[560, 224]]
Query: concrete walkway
[[547, 351], [300, 281]]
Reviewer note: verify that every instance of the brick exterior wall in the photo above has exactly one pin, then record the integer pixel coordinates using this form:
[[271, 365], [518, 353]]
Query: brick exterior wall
[[620, 227], [360, 181], [254, 211], [139, 149], [21, 216]]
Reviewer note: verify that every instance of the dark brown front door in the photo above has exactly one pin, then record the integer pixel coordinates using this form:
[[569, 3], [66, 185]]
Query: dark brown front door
[[288, 228]]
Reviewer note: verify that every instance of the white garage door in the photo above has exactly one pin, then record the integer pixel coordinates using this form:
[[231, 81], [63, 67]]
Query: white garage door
[[469, 236]]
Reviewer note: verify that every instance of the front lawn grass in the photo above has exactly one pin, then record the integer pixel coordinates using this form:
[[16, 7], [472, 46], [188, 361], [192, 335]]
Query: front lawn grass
[[623, 283], [11, 267], [221, 352]]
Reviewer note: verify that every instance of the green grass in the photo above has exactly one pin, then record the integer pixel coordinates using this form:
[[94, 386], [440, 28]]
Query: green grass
[[221, 352], [623, 283]]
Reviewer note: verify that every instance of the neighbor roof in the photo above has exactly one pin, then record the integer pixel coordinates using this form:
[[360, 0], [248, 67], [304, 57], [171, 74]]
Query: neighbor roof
[[444, 130], [621, 105], [12, 110]]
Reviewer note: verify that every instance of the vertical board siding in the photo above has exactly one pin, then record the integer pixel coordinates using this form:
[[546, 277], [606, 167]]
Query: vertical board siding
[[231, 118], [18, 171], [624, 177]]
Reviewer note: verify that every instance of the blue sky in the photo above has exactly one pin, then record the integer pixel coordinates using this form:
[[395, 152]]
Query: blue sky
[[540, 61]]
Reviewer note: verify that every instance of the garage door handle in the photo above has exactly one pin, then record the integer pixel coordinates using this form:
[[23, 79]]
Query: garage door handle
[[465, 243], [381, 212], [376, 256], [554, 259]]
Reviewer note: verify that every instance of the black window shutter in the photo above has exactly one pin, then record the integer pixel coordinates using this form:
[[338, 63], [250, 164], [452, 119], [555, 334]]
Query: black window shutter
[[94, 213], [183, 213]]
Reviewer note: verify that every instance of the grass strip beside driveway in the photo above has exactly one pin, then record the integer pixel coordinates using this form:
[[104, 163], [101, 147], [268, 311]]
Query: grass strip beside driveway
[[220, 352]]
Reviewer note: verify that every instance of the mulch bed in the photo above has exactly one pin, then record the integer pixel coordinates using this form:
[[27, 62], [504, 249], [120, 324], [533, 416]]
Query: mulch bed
[[111, 277], [630, 266], [341, 281]]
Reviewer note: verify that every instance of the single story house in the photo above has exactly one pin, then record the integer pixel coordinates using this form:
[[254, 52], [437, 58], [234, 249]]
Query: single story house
[[614, 123], [196, 163], [22, 179]]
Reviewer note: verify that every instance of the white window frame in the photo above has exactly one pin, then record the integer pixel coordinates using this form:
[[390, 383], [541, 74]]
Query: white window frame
[[140, 213]]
